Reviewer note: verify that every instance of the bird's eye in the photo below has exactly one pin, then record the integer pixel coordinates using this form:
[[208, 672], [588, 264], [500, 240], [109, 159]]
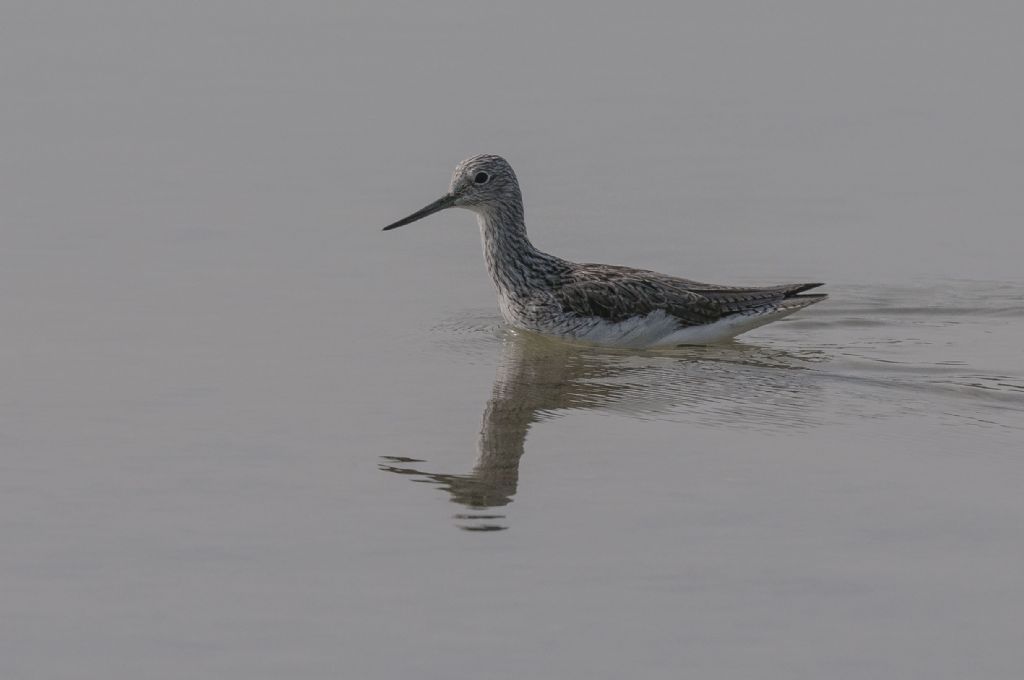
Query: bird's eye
[[481, 178]]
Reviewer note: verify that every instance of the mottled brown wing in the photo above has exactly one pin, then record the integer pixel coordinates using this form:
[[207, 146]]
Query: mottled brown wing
[[619, 293], [735, 300]]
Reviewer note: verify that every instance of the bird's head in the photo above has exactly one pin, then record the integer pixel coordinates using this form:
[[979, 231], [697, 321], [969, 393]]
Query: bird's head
[[479, 183]]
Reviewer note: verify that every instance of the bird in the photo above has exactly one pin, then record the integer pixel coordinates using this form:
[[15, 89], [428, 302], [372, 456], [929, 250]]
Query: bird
[[597, 304]]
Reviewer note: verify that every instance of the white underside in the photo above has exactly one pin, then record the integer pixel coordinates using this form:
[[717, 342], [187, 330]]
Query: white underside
[[658, 329]]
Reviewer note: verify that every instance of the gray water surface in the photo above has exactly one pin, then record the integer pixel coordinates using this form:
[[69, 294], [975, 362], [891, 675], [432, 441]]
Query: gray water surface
[[245, 434]]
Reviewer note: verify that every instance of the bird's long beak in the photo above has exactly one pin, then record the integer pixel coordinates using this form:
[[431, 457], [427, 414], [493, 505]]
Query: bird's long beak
[[446, 201]]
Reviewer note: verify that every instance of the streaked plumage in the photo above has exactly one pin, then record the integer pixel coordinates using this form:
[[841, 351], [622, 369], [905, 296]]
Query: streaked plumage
[[602, 304]]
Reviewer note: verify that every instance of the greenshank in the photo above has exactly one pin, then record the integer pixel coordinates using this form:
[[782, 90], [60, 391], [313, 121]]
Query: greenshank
[[598, 303]]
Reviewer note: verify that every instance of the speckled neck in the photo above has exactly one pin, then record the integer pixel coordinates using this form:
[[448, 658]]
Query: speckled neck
[[515, 265]]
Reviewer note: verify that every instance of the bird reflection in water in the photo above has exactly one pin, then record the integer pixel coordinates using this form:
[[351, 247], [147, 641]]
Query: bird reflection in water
[[538, 379]]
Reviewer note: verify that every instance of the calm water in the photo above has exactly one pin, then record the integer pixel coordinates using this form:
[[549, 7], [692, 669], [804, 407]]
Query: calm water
[[245, 434]]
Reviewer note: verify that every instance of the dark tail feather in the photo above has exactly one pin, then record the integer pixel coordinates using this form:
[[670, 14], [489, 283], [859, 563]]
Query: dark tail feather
[[798, 288], [736, 300]]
